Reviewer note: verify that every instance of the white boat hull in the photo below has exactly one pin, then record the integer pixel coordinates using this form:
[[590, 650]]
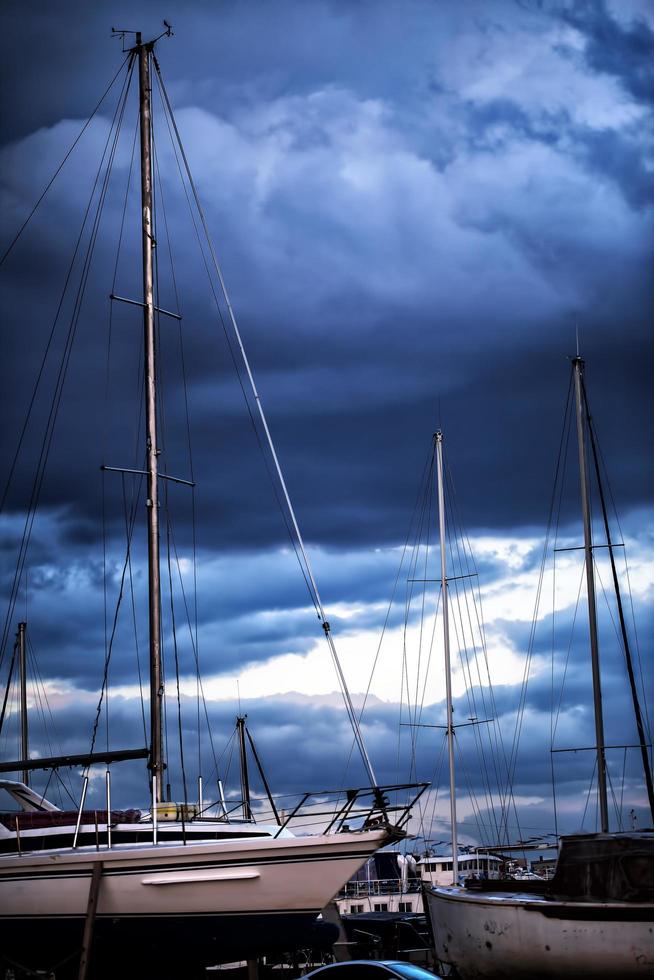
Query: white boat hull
[[215, 886], [492, 936]]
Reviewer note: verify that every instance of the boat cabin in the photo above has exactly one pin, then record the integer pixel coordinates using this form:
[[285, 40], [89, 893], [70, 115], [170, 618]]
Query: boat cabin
[[437, 870]]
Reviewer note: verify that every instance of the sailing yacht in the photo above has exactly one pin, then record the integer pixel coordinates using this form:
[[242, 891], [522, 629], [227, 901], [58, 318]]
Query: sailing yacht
[[595, 916], [152, 885]]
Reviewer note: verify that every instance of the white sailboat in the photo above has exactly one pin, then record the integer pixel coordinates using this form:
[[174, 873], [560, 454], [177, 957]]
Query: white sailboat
[[167, 884], [595, 917]]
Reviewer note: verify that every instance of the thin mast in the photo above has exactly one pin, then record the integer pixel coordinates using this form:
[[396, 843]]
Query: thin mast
[[156, 681], [22, 671], [266, 785], [446, 645], [578, 367], [245, 780]]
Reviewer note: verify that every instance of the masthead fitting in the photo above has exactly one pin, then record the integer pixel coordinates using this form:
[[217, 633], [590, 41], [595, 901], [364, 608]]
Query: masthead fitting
[[138, 37]]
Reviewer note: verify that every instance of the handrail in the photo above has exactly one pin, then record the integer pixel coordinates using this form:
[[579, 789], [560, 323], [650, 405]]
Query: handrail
[[358, 807], [356, 815], [378, 886], [108, 786]]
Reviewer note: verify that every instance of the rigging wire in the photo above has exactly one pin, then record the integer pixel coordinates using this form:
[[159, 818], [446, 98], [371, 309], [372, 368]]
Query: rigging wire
[[112, 636], [459, 564], [194, 627], [277, 467], [176, 654], [44, 710], [423, 603], [605, 481], [12, 664], [566, 664], [412, 586], [522, 701], [130, 519], [269, 472], [459, 620], [414, 517], [417, 590], [415, 714], [160, 422], [193, 641], [234, 359], [129, 511], [39, 376], [622, 636], [589, 794], [108, 153], [161, 199], [27, 220], [621, 633], [468, 569], [566, 434], [103, 474]]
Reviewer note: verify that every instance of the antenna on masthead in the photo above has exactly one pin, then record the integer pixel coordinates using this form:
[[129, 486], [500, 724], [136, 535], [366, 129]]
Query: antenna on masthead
[[122, 33]]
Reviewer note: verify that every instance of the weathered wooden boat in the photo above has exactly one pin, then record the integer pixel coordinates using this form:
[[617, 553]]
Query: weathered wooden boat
[[595, 917]]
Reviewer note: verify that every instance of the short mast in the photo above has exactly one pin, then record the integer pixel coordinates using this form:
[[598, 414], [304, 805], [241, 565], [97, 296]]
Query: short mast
[[578, 368], [157, 766], [22, 670], [245, 779], [446, 645]]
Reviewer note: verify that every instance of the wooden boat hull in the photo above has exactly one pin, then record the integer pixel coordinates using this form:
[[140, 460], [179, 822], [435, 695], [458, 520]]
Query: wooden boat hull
[[216, 894], [497, 935]]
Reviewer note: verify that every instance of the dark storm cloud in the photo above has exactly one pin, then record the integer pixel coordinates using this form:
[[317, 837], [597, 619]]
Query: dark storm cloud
[[359, 357], [621, 160], [616, 156], [623, 50]]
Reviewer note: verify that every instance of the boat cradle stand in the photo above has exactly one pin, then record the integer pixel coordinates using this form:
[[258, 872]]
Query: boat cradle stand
[[89, 922]]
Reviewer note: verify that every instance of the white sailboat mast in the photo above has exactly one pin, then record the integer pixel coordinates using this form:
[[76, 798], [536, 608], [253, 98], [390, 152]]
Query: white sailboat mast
[[446, 646]]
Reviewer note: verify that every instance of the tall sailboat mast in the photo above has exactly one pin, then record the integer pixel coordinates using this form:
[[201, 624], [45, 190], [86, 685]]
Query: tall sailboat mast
[[446, 645], [578, 368], [157, 765]]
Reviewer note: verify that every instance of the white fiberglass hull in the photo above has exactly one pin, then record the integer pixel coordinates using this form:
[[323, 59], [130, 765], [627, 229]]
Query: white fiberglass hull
[[225, 888], [492, 936]]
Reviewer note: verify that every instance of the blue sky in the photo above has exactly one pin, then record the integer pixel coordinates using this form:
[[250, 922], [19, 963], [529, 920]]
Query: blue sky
[[416, 206]]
